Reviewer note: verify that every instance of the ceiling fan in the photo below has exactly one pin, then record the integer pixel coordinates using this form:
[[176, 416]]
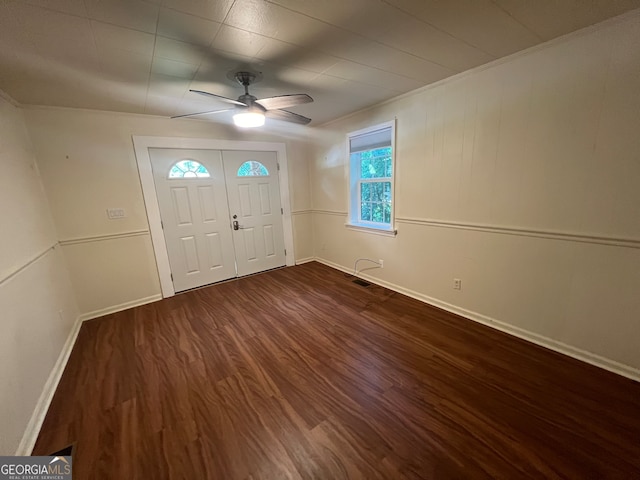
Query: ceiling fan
[[250, 111]]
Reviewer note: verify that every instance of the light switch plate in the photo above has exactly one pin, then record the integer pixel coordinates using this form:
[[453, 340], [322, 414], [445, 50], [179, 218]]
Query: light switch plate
[[115, 213]]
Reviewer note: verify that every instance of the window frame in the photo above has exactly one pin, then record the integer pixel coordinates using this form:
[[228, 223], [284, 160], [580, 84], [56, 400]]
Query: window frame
[[355, 184]]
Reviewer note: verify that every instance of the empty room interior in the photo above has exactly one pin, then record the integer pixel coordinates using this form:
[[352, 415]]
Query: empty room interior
[[333, 239]]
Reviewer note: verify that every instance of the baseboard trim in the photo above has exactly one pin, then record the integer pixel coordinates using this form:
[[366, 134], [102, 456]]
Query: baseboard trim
[[118, 308], [42, 407], [305, 260], [560, 347]]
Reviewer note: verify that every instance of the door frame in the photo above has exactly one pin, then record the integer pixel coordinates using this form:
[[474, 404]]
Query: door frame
[[141, 145]]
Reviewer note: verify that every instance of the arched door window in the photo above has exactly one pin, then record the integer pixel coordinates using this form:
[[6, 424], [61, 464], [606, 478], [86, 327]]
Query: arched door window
[[252, 168], [188, 169]]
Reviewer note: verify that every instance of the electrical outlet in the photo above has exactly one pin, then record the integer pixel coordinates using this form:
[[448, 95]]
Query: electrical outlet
[[381, 263], [457, 284]]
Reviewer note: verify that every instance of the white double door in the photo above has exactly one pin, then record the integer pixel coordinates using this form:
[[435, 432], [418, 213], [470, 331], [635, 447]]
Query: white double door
[[220, 211]]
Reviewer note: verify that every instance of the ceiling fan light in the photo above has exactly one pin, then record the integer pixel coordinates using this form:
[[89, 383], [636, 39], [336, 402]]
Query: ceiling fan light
[[248, 119]]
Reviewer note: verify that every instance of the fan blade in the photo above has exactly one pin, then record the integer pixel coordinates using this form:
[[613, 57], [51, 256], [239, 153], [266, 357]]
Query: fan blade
[[223, 99], [287, 116], [284, 101], [203, 113]]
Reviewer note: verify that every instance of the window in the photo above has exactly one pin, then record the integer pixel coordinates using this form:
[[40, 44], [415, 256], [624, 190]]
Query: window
[[252, 168], [188, 169], [371, 178]]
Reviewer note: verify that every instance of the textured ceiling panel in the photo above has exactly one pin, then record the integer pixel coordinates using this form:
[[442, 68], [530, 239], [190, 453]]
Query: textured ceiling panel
[[144, 55]]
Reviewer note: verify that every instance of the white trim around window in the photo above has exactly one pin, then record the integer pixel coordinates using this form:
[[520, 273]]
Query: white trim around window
[[376, 136]]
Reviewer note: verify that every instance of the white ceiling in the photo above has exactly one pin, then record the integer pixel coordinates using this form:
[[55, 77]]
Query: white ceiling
[[143, 56]]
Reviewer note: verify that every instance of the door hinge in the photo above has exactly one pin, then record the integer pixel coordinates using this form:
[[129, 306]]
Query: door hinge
[[282, 211], [161, 225], [285, 252], [171, 276], [278, 166]]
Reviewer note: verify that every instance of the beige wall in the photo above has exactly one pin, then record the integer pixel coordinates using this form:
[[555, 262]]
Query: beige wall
[[521, 179], [88, 165], [36, 299]]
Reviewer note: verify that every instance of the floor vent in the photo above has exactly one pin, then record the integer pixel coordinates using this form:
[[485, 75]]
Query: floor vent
[[361, 282]]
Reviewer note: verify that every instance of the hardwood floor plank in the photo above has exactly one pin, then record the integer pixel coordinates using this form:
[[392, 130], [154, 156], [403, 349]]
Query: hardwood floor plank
[[299, 373]]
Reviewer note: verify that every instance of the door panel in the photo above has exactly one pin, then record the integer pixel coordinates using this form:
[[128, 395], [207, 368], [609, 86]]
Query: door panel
[[214, 248], [254, 198], [195, 217], [265, 200], [269, 241], [249, 243], [207, 203], [182, 205], [244, 195], [190, 253]]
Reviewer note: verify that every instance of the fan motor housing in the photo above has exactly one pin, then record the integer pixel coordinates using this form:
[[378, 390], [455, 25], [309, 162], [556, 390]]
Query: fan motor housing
[[250, 100]]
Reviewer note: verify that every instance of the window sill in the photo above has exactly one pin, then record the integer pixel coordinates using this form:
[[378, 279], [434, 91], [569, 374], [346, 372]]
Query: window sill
[[390, 232]]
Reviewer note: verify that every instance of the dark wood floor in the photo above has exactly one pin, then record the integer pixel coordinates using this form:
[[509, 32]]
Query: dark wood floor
[[299, 373]]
